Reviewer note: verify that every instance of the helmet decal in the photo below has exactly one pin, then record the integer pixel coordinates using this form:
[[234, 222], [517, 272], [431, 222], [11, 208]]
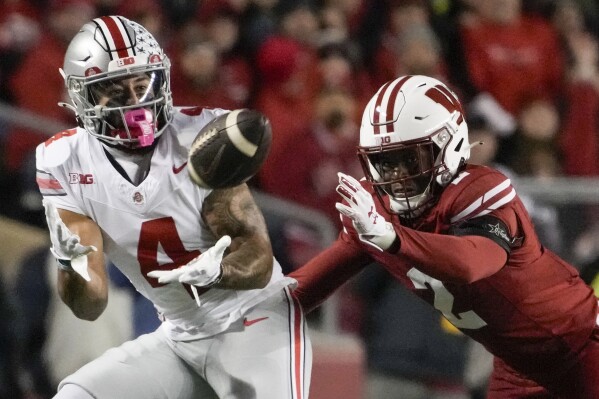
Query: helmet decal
[[117, 41], [92, 71], [386, 104], [447, 99]]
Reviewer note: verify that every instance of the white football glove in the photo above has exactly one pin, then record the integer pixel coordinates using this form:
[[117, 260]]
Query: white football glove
[[66, 246], [372, 228], [203, 271]]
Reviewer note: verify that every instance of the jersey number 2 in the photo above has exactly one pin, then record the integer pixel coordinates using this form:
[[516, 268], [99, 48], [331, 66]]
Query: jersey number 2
[[443, 301]]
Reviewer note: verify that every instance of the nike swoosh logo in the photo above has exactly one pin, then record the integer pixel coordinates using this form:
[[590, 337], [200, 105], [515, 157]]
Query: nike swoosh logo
[[248, 323], [176, 170]]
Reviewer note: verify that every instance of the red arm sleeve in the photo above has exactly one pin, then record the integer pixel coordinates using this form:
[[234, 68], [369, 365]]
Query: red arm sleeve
[[449, 258], [326, 272]]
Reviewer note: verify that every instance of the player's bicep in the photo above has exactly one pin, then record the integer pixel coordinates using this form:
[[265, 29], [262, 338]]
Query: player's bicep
[[488, 226]]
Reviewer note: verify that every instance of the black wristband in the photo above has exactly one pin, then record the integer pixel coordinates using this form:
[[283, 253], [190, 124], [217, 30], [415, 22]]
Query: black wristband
[[64, 264], [217, 279]]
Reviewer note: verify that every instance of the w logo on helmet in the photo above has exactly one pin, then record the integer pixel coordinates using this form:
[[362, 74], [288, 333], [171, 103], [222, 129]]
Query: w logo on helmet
[[442, 95]]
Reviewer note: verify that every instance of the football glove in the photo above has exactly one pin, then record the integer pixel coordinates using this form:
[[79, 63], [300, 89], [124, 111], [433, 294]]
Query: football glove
[[372, 228], [202, 271], [66, 246]]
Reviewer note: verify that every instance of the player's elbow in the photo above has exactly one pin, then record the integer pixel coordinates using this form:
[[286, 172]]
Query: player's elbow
[[89, 311], [468, 273], [486, 259], [263, 276], [465, 275], [88, 315]]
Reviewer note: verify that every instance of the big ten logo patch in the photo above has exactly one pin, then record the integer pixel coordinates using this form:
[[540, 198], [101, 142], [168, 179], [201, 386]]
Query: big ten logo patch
[[81, 178], [125, 61]]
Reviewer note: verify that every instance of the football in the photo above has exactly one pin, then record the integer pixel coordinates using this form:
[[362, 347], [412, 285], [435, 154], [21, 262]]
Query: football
[[230, 149]]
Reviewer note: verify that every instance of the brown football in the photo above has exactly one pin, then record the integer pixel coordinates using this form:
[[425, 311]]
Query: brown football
[[230, 149]]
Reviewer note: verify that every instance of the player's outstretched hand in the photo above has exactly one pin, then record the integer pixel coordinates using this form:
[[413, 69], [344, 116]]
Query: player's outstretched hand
[[372, 228], [66, 246], [203, 271]]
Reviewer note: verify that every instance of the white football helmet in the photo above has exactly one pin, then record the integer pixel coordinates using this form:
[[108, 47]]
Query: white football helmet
[[118, 79], [413, 141]]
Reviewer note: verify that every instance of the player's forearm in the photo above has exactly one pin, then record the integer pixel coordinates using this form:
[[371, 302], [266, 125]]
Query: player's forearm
[[248, 267], [234, 212], [326, 272], [449, 258], [87, 300]]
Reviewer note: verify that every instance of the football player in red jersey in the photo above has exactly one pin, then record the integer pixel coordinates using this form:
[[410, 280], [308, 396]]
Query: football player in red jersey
[[458, 236]]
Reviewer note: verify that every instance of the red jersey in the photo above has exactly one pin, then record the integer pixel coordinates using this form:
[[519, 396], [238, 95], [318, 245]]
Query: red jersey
[[535, 313]]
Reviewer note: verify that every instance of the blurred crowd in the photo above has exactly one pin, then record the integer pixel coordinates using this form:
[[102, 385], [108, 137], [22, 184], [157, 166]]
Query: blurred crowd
[[527, 72]]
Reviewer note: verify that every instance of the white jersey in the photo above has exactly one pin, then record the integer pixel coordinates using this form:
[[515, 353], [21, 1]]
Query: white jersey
[[154, 225]]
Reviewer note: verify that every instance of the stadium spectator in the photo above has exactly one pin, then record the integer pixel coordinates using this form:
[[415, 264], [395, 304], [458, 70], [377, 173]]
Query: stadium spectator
[[532, 149], [545, 217], [20, 29], [339, 67], [580, 127], [222, 29], [402, 16], [148, 13], [309, 167], [63, 18], [257, 23], [297, 20], [201, 75], [511, 56], [284, 96]]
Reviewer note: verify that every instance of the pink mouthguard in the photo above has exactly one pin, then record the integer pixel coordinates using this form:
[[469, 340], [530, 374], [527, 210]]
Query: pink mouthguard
[[139, 122]]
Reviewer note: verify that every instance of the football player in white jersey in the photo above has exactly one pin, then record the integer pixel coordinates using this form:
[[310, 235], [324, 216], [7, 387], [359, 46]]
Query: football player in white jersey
[[116, 185]]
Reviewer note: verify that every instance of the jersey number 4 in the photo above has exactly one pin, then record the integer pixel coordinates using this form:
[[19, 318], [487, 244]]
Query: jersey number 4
[[443, 301], [161, 232]]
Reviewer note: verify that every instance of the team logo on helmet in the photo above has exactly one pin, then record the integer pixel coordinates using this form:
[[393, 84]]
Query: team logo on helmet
[[92, 71]]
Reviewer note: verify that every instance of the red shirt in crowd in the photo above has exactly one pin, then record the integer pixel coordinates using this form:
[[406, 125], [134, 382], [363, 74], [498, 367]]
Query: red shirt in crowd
[[514, 62]]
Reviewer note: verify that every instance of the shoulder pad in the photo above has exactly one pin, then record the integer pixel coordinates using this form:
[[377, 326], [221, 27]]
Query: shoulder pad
[[57, 149], [187, 122], [475, 192]]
